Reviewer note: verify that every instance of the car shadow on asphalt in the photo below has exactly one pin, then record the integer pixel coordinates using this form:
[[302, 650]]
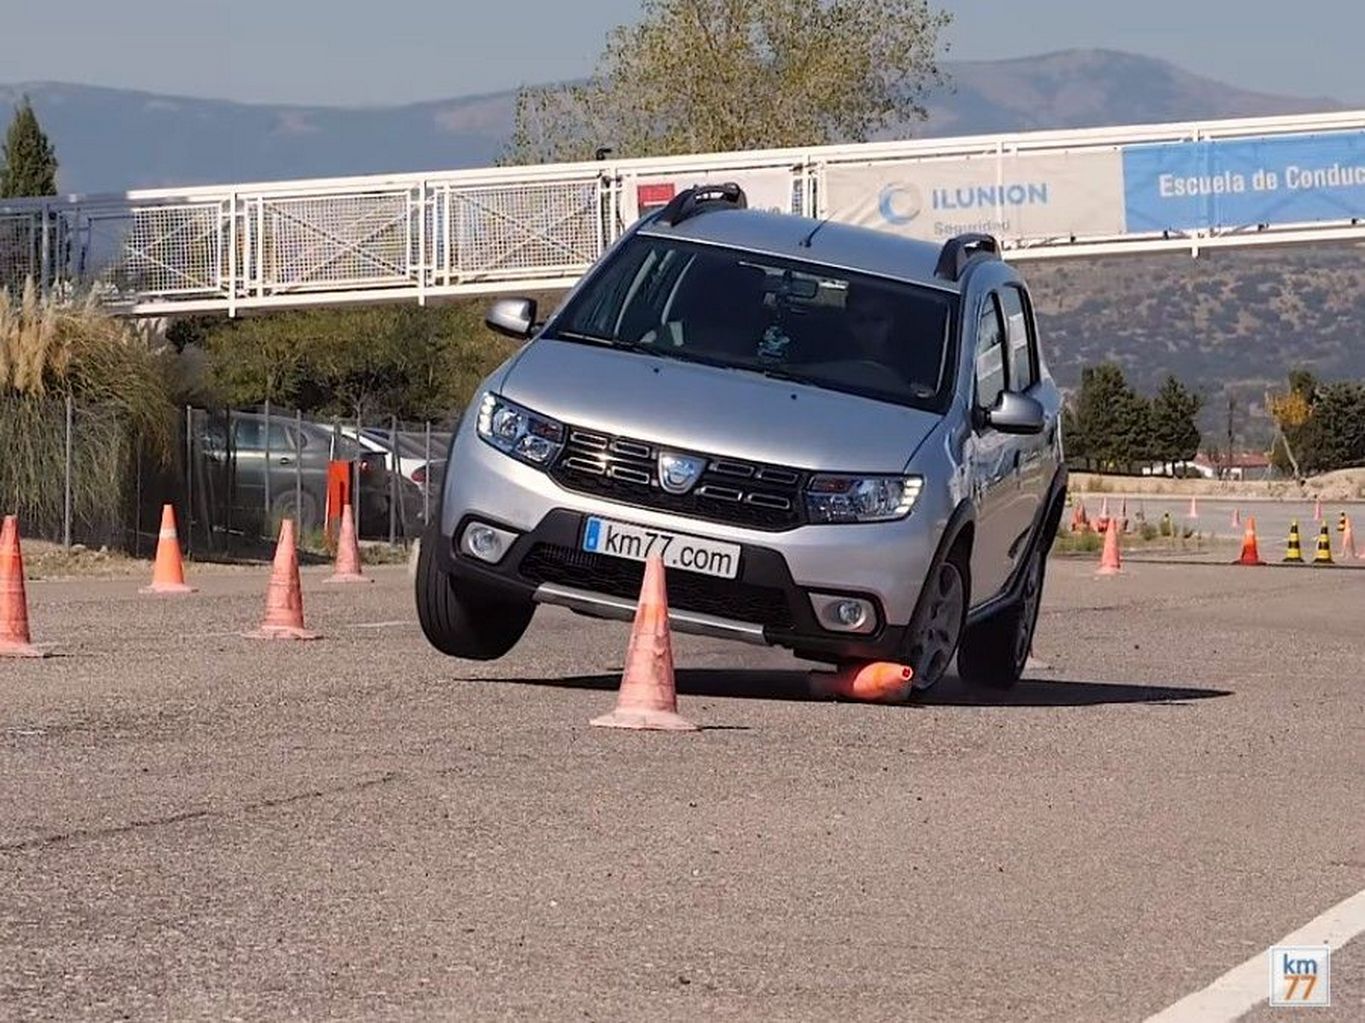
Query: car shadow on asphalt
[[752, 684]]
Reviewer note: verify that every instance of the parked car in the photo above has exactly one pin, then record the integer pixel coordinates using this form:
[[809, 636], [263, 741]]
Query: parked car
[[838, 440], [238, 473], [412, 458]]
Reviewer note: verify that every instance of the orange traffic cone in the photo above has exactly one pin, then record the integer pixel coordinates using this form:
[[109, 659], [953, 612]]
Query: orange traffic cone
[[1251, 554], [1236, 518], [878, 681], [168, 574], [14, 637], [1194, 509], [1080, 523], [649, 697], [1317, 510], [1110, 562], [348, 553], [1123, 514], [284, 598], [1348, 543]]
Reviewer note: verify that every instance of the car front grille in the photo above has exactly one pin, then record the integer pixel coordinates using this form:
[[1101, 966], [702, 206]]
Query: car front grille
[[687, 591], [732, 491]]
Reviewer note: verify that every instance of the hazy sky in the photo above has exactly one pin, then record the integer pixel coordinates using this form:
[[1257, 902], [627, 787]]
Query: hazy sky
[[362, 51]]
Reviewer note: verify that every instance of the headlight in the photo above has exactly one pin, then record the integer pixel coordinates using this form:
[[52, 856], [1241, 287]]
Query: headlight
[[519, 432], [861, 498]]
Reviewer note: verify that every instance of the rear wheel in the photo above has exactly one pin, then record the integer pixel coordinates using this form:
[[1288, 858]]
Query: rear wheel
[[934, 634], [994, 652], [462, 619], [305, 511]]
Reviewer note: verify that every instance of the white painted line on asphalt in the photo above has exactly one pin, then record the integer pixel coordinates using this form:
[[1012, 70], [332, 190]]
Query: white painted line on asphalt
[[1244, 987], [381, 625]]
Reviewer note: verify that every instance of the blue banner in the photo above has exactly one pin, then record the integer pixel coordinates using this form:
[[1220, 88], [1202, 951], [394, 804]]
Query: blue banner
[[1287, 179]]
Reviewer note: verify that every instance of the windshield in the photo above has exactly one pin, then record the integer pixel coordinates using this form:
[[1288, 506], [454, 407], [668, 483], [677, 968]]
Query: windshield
[[801, 321]]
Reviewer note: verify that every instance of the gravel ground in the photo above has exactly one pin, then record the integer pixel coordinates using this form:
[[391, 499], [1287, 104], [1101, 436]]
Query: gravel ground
[[197, 826]]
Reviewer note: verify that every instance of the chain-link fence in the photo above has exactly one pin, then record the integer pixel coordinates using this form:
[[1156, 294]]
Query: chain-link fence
[[78, 474]]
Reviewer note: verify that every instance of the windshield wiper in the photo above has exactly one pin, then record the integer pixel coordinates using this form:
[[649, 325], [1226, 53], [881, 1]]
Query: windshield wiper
[[574, 335]]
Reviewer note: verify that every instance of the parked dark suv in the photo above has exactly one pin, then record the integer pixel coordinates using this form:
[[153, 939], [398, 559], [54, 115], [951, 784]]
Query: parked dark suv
[[292, 461]]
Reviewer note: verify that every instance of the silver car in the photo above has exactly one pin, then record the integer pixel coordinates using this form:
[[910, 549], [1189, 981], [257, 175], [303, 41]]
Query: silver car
[[839, 441]]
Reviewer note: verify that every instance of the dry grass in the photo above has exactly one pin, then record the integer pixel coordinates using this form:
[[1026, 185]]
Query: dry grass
[[51, 349]]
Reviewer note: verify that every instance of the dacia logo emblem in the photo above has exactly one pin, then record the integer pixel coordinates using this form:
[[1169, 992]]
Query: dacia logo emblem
[[679, 473]]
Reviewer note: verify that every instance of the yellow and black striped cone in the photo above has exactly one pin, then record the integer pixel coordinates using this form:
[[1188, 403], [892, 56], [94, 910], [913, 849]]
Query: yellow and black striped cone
[[1293, 553], [1341, 523], [1324, 554]]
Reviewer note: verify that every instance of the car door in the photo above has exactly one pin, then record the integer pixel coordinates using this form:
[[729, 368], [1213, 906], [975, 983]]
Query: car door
[[993, 459], [1034, 469]]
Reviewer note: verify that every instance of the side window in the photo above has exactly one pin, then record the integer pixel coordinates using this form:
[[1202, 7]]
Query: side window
[[249, 435], [1019, 337], [990, 356]]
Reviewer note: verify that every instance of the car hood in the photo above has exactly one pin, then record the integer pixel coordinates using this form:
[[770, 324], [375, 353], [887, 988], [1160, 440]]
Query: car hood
[[711, 410]]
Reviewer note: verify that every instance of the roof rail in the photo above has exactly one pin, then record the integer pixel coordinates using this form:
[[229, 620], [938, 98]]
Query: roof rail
[[700, 198], [961, 250]]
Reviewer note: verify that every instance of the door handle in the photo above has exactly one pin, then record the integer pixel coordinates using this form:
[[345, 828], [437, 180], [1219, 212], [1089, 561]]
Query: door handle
[[286, 460]]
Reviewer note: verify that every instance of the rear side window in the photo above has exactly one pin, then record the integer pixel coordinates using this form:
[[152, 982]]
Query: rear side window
[[1019, 340], [990, 356]]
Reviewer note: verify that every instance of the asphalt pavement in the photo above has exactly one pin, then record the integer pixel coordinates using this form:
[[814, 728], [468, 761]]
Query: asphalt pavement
[[197, 826]]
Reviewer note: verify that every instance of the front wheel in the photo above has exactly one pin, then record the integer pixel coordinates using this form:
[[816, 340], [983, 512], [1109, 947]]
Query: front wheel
[[934, 634], [995, 652], [460, 619]]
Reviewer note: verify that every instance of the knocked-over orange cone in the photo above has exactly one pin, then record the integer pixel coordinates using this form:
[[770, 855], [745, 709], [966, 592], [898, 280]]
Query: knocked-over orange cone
[[1110, 562], [168, 574], [649, 697], [15, 640], [348, 553], [284, 598], [878, 681], [1251, 554]]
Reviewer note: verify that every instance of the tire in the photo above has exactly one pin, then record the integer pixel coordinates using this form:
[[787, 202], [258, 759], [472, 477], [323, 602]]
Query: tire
[[933, 637], [461, 620], [994, 652], [307, 515]]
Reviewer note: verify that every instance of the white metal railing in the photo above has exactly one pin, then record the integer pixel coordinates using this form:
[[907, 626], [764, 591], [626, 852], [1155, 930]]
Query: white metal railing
[[418, 236]]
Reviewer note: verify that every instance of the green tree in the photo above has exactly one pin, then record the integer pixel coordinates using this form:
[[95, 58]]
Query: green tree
[[1334, 435], [717, 75], [415, 363], [1111, 420], [1174, 428], [29, 163]]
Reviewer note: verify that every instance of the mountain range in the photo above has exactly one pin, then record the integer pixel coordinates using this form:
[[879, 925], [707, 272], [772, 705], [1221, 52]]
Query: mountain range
[[115, 139]]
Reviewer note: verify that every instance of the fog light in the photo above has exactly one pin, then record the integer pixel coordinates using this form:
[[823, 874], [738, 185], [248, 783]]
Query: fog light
[[844, 614], [485, 542], [850, 613]]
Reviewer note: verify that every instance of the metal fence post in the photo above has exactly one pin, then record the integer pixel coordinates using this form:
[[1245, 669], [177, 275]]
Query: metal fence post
[[66, 490], [137, 507], [189, 480], [357, 462], [266, 458], [298, 463], [426, 479], [393, 481]]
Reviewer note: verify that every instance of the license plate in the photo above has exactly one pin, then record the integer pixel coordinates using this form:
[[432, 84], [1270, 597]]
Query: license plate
[[636, 543]]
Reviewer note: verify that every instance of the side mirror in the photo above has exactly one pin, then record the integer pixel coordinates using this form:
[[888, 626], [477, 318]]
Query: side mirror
[[514, 317], [1016, 413]]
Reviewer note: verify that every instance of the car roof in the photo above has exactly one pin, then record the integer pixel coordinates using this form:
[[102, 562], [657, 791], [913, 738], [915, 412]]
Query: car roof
[[837, 245]]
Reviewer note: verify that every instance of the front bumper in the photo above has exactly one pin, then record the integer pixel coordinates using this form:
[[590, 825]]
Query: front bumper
[[884, 563], [763, 605]]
